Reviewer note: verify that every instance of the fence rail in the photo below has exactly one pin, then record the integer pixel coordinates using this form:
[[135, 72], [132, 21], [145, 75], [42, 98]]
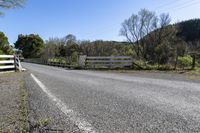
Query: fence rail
[[90, 62], [46, 62], [10, 63], [7, 62], [107, 61], [109, 57], [6, 56]]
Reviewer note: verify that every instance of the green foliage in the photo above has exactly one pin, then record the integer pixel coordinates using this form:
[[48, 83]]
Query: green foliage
[[57, 60], [41, 123], [32, 46], [1, 52], [52, 48], [72, 48], [158, 44], [156, 41], [139, 29], [61, 47], [5, 48], [185, 61], [75, 56], [189, 30], [23, 108], [162, 52], [129, 51], [106, 48]]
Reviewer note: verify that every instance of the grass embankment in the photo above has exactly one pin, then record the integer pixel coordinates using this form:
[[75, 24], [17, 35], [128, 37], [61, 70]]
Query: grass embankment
[[195, 71], [23, 110], [13, 103]]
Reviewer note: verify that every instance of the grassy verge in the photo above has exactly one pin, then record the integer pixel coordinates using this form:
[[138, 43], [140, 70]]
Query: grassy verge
[[186, 74], [23, 110], [13, 101], [195, 71]]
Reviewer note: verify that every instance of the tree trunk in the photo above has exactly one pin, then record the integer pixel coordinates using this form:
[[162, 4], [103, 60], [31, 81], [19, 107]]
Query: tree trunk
[[176, 61], [193, 61]]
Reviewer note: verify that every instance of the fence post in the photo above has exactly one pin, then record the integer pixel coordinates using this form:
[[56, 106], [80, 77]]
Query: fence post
[[111, 62], [15, 63], [193, 61], [82, 61]]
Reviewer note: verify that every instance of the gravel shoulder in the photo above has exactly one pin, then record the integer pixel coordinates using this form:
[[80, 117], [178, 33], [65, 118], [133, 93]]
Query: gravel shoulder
[[168, 75], [25, 108], [44, 116], [11, 118]]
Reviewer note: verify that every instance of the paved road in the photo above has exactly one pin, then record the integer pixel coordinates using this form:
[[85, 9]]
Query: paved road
[[120, 103]]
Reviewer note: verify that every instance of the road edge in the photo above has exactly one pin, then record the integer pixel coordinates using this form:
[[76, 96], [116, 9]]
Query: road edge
[[82, 124]]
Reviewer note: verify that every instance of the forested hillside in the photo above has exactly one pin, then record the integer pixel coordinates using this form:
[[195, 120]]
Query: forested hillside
[[189, 31]]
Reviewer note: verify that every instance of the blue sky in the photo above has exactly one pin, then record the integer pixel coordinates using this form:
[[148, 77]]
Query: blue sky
[[87, 19]]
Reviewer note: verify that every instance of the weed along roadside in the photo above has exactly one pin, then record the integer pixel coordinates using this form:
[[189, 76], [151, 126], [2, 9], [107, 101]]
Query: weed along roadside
[[14, 106], [23, 109]]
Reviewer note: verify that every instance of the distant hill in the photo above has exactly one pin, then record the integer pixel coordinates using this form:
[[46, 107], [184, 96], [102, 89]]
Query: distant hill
[[189, 30]]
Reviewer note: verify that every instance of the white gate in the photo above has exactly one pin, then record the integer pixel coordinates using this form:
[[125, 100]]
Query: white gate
[[10, 63], [106, 61]]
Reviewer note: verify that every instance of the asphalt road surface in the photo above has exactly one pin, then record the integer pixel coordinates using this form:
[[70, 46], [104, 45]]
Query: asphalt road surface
[[118, 103]]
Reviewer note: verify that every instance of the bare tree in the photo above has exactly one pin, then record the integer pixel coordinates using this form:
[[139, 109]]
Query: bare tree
[[8, 4], [69, 39], [139, 27]]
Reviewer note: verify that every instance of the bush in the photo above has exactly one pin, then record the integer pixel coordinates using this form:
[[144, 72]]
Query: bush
[[185, 61], [57, 60]]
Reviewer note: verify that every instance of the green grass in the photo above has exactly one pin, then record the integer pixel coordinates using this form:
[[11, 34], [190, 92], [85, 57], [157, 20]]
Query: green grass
[[17, 119], [57, 60], [23, 109], [195, 71]]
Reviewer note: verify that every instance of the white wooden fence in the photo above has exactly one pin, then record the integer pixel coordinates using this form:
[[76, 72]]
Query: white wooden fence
[[10, 63], [106, 61]]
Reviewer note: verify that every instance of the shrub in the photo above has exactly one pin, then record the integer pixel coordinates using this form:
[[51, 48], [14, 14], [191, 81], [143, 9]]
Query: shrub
[[185, 61], [57, 60], [75, 56]]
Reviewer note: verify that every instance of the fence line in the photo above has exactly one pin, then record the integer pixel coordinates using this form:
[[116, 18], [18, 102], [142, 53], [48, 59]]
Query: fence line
[[45, 62], [107, 61], [87, 62]]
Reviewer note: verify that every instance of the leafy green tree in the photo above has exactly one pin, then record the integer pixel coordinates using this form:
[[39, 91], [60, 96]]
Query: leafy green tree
[[5, 48], [71, 48], [162, 52], [32, 46], [51, 50], [106, 48]]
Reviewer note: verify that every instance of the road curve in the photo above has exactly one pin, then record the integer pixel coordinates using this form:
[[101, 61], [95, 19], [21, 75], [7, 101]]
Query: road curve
[[122, 103]]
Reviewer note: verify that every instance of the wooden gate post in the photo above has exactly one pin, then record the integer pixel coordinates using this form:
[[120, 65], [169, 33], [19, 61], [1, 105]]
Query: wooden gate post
[[193, 61], [82, 61], [15, 63]]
